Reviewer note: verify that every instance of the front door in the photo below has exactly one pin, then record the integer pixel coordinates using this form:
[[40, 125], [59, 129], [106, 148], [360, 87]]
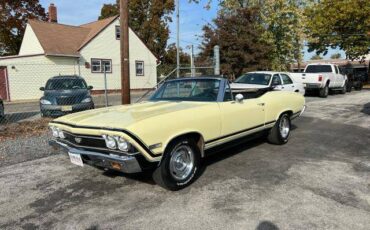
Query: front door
[[239, 117], [277, 83], [3, 83], [287, 83]]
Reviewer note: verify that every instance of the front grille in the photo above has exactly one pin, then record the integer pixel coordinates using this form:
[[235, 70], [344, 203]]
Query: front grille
[[68, 100], [83, 140], [92, 143]]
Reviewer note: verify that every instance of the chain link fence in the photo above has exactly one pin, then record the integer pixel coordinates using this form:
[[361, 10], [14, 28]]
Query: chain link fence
[[32, 90]]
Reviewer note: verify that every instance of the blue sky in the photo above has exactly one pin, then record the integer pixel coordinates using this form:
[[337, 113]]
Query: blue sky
[[192, 18]]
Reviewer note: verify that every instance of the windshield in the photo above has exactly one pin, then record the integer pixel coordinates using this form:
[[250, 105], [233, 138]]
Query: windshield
[[254, 78], [65, 84], [318, 69], [188, 90]]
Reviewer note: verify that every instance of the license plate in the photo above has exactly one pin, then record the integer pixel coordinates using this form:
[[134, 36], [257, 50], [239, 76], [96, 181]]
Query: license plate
[[67, 108], [76, 159]]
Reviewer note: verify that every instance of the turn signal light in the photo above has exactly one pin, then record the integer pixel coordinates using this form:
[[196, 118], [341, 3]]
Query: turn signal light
[[320, 77], [116, 166]]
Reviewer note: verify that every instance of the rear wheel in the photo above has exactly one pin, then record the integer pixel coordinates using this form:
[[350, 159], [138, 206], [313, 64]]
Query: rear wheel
[[344, 88], [279, 134], [359, 86], [179, 166], [2, 112], [324, 92], [349, 86]]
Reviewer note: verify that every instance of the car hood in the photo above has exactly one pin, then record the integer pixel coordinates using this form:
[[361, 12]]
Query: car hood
[[247, 86], [125, 115]]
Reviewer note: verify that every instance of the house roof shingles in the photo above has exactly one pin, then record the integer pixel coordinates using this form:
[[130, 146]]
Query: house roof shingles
[[59, 39]]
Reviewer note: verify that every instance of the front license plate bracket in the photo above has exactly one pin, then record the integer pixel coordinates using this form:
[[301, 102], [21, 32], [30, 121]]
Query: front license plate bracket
[[76, 159]]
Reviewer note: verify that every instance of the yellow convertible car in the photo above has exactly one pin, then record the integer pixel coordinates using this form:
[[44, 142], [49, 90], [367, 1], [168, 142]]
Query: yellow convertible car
[[173, 129]]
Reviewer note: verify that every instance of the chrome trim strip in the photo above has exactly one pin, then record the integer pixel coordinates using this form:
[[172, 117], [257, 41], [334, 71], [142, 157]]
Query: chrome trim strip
[[94, 148]]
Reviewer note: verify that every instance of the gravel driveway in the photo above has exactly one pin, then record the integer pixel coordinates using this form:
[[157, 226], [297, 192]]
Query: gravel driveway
[[319, 180]]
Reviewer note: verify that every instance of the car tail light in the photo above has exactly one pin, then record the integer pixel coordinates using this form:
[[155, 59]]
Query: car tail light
[[320, 77]]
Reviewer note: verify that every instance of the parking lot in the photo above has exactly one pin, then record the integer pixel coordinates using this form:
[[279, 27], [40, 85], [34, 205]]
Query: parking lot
[[319, 180]]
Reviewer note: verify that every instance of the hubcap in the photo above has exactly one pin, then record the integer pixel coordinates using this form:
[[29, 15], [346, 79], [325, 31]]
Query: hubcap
[[181, 162], [284, 127]]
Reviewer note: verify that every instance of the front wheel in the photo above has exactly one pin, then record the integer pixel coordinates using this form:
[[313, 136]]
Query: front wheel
[[324, 92], [279, 134], [179, 166]]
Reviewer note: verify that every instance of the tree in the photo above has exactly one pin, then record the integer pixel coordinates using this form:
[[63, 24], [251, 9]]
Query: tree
[[169, 59], [343, 24], [284, 21], [239, 38], [316, 57], [13, 21], [149, 19], [336, 56]]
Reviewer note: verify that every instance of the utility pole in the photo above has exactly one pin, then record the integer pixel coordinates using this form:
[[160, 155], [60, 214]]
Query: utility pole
[[216, 58], [192, 61], [178, 39], [125, 65]]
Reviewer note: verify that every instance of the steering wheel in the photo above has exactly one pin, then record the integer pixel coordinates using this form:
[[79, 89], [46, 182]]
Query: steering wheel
[[208, 94]]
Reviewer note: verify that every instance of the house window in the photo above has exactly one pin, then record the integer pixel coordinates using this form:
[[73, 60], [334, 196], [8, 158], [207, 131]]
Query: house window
[[108, 66], [118, 32], [98, 65], [95, 66], [139, 66]]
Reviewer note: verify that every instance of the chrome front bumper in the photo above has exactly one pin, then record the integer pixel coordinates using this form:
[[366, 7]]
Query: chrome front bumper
[[129, 164], [302, 111]]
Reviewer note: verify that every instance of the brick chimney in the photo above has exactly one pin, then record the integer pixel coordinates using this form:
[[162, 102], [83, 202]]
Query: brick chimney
[[53, 16]]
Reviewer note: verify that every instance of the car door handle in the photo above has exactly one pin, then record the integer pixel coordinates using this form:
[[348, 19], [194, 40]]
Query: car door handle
[[261, 104]]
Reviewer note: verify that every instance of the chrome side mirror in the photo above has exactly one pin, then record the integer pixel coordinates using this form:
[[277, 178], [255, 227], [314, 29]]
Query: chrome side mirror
[[239, 98]]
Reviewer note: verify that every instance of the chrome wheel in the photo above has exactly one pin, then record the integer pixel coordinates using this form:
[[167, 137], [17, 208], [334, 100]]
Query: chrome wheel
[[284, 127], [181, 162]]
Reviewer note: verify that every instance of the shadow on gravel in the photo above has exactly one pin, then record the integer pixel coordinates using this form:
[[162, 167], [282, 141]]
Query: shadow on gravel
[[16, 117], [144, 177], [213, 156], [230, 149], [366, 109]]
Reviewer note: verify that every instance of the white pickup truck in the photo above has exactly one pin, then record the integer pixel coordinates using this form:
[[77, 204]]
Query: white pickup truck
[[322, 77]]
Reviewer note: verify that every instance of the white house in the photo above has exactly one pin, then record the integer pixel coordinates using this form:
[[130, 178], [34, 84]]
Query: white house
[[49, 49]]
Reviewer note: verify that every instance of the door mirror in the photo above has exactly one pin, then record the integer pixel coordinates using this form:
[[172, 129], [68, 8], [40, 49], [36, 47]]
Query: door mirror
[[90, 87], [42, 88], [239, 98]]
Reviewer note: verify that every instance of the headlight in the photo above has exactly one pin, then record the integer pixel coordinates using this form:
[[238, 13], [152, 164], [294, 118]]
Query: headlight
[[57, 132], [54, 131], [45, 102], [61, 134], [86, 100], [123, 145], [110, 142]]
